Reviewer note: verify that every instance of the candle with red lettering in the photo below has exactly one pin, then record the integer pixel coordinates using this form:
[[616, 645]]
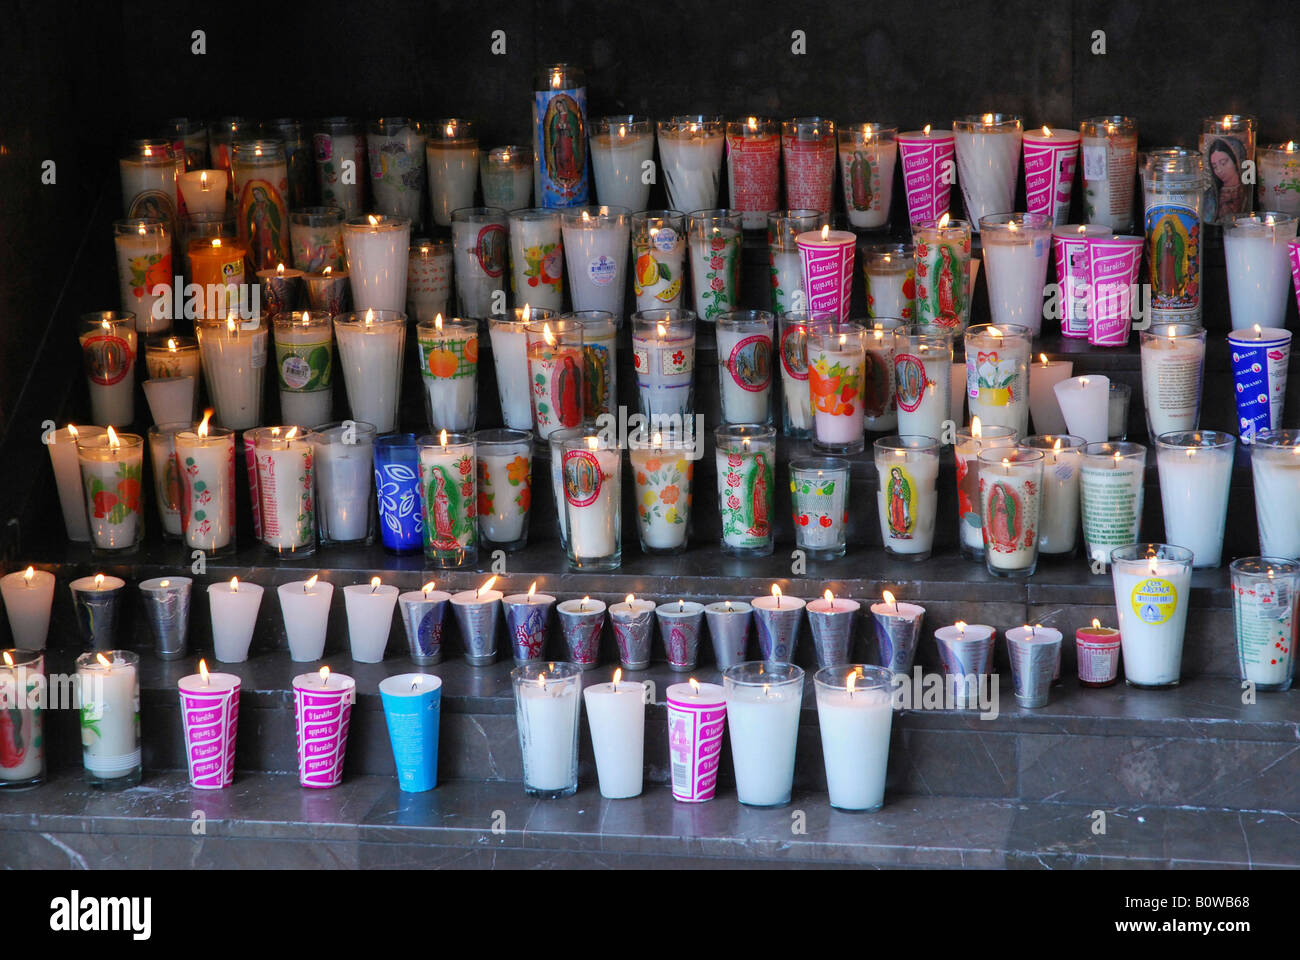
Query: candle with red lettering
[[1098, 654]]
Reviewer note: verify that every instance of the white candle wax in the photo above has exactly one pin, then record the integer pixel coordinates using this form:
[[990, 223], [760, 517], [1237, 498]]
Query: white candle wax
[[234, 616], [547, 716], [537, 261], [113, 480], [27, 603], [846, 426], [23, 702], [170, 400], [692, 167], [370, 617], [1110, 502], [144, 261], [449, 378], [453, 176], [988, 160], [657, 268], [110, 716], [665, 372], [67, 477], [207, 465], [1016, 264], [1259, 270], [855, 745], [787, 266], [764, 727], [1058, 522], [1171, 382], [887, 278], [997, 378], [906, 500], [592, 507], [1044, 408], [344, 481], [616, 715], [663, 498], [506, 521], [371, 354], [109, 352], [510, 354], [204, 191], [595, 251], [618, 163], [303, 354], [234, 366], [378, 250], [479, 258], [305, 607], [1276, 473], [870, 165], [1085, 405], [1109, 165], [285, 487], [880, 408], [1152, 608], [1009, 509], [745, 372], [1194, 485]]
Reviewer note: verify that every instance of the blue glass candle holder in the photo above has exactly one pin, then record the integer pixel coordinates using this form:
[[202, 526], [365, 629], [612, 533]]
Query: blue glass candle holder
[[397, 486]]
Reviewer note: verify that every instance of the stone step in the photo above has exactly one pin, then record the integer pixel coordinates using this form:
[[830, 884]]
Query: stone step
[[267, 821]]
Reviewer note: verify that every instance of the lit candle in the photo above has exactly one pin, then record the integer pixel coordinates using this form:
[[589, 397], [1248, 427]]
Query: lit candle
[[285, 488], [616, 715], [546, 712], [988, 160], [926, 156], [23, 703], [234, 607], [621, 146], [1016, 249], [28, 596], [1110, 497], [944, 279], [305, 606], [1195, 474], [1044, 408], [690, 149], [1085, 406], [109, 688], [369, 609], [377, 246], [595, 250], [112, 471], [697, 714], [371, 353], [855, 713], [906, 499], [1152, 594], [323, 714], [234, 362], [1050, 157], [210, 719], [763, 704], [1109, 164], [478, 613], [867, 154], [452, 157]]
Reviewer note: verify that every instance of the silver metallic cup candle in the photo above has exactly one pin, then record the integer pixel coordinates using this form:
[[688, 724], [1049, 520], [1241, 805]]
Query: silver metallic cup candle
[[679, 625], [778, 618], [729, 626], [966, 653], [422, 614], [328, 291], [95, 599], [632, 621], [279, 290], [167, 604], [898, 628], [527, 615], [478, 612], [1035, 655], [582, 622], [831, 622]]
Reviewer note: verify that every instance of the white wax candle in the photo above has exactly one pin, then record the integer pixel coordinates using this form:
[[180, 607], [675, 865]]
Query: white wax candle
[[370, 617], [745, 371], [868, 172], [504, 479], [764, 727], [997, 377], [1085, 405], [665, 371], [62, 445], [595, 250], [112, 472], [285, 488], [1110, 502], [988, 161], [1152, 608], [692, 167], [449, 374], [207, 466], [479, 247], [1009, 508], [23, 702], [618, 160], [663, 480], [371, 354], [1109, 164], [234, 609], [616, 715], [1058, 522], [787, 268], [1016, 264], [378, 248], [28, 595], [204, 191], [109, 352], [510, 355], [344, 483], [1171, 382], [1194, 485], [305, 606], [837, 419], [304, 354], [1044, 408], [880, 408], [592, 492], [453, 176], [547, 715], [906, 500], [1259, 269], [234, 366], [855, 745], [144, 262], [110, 715], [1276, 473], [537, 259], [170, 400]]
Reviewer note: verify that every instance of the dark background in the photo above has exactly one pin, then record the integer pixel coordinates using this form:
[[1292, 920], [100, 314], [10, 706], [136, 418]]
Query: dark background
[[80, 80]]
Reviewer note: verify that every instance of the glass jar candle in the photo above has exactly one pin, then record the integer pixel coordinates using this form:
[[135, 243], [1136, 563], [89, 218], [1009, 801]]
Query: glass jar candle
[[507, 177], [1275, 469], [753, 169], [819, 497], [621, 148], [449, 498], [690, 154], [997, 374], [1109, 148], [1011, 483], [1195, 473], [658, 258], [944, 279], [906, 498], [744, 340], [837, 374], [988, 161], [663, 471], [745, 457], [451, 155], [1174, 190], [536, 258], [889, 270], [1153, 583], [112, 475], [1058, 511], [868, 152], [591, 473], [966, 450], [789, 293], [1227, 145], [1110, 497], [1264, 596]]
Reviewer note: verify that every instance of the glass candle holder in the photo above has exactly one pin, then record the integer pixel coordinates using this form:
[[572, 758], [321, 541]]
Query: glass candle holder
[[170, 358], [205, 462], [763, 704], [67, 476], [715, 238], [1016, 248], [855, 712], [837, 375], [745, 457], [922, 360], [600, 371], [222, 134], [112, 474], [966, 450], [592, 477], [537, 258], [926, 156], [216, 262], [377, 247], [304, 366], [298, 157], [1255, 247], [1173, 367], [988, 161], [880, 409], [1264, 615], [150, 175], [547, 703], [204, 194], [397, 157], [1011, 483], [371, 352], [1227, 145], [753, 168], [555, 368], [1278, 169], [340, 146], [109, 687], [24, 702], [792, 347], [1174, 186], [507, 177], [560, 135], [451, 152], [690, 153], [868, 153], [397, 491], [108, 352], [1109, 147], [1117, 411], [621, 147], [745, 365], [505, 487], [449, 373], [663, 355], [168, 488], [789, 292], [144, 265], [595, 249], [261, 183], [658, 258], [1275, 469], [997, 374], [286, 485], [663, 471], [344, 469], [329, 292], [906, 499], [944, 279], [428, 278], [189, 138], [1110, 497], [1195, 473], [479, 244], [1058, 508], [510, 355], [1153, 583], [449, 499], [808, 154], [889, 270], [555, 448], [819, 495], [316, 238]]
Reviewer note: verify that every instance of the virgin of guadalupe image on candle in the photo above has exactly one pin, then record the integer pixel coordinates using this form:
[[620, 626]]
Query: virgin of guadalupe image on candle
[[566, 145], [862, 177], [747, 505], [945, 292], [261, 218], [1223, 159], [910, 381], [1173, 243], [1002, 524], [449, 508], [901, 515]]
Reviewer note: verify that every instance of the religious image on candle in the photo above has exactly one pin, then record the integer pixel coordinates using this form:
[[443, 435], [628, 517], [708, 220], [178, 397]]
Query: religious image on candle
[[448, 491]]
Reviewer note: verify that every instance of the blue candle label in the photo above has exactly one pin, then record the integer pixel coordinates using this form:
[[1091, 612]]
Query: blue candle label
[[1154, 600], [602, 270], [561, 138]]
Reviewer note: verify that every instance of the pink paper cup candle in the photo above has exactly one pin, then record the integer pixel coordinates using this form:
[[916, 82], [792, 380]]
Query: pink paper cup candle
[[322, 708], [1073, 277], [827, 258], [1097, 651], [928, 164], [1112, 274], [697, 718], [210, 715], [1050, 158]]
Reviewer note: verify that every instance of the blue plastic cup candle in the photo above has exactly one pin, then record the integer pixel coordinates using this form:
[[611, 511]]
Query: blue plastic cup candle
[[412, 705], [397, 486]]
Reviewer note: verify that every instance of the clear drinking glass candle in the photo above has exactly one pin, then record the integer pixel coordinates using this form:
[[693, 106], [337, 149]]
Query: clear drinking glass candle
[[304, 366], [547, 705], [507, 176], [167, 484], [1195, 473], [24, 701], [837, 385], [922, 359], [663, 356], [449, 497], [658, 258], [988, 161], [789, 293], [1264, 595], [510, 355], [868, 153], [505, 487], [819, 496], [745, 458], [316, 237], [479, 245], [1279, 177], [1109, 148], [1173, 366], [1011, 482], [716, 241], [1153, 585], [600, 352], [879, 408], [690, 152], [1058, 511], [855, 712], [753, 169], [808, 153], [792, 348], [763, 704], [151, 180], [205, 460], [1227, 145], [889, 270], [261, 182], [1255, 247], [109, 687], [449, 373], [344, 470], [966, 450], [906, 498], [144, 263], [943, 273], [997, 374], [298, 157], [1110, 497], [595, 250], [397, 157], [371, 351], [1016, 248], [340, 145], [560, 135], [591, 474], [1275, 468], [378, 247], [555, 374], [428, 278], [663, 472], [112, 474], [286, 486], [621, 147], [451, 153], [536, 258], [745, 365], [108, 352]]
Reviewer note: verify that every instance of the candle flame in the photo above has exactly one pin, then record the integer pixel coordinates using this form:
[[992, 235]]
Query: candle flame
[[279, 269], [943, 222], [99, 581], [1096, 624], [1043, 358], [293, 432], [776, 592], [442, 438], [1047, 131], [103, 660], [661, 329], [630, 599], [9, 660], [583, 604], [427, 588], [695, 684], [532, 589], [327, 271], [324, 676], [753, 123], [72, 430], [306, 318], [988, 118], [548, 335], [203, 180], [976, 428], [826, 231], [374, 584], [926, 130], [112, 438], [165, 583], [141, 230], [1290, 146], [527, 312], [889, 597], [230, 323], [216, 242], [374, 221], [311, 582], [1117, 456], [829, 598], [370, 316], [1227, 123], [994, 331], [29, 573], [234, 584], [148, 150], [437, 323], [1057, 446], [593, 443], [961, 626], [203, 671], [851, 681], [487, 585], [541, 681], [203, 424], [1083, 381], [171, 344], [1151, 565], [618, 675], [1258, 334]]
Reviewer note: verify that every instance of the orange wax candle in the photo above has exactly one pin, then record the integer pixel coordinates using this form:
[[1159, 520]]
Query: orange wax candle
[[216, 264]]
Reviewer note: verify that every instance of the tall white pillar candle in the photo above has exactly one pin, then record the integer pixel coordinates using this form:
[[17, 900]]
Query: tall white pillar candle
[[62, 445], [763, 704], [234, 607], [621, 147], [616, 716], [371, 353], [28, 595], [690, 151], [234, 368]]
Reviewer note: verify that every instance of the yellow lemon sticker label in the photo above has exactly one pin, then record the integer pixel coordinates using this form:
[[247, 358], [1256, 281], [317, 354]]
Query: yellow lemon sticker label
[[1154, 600]]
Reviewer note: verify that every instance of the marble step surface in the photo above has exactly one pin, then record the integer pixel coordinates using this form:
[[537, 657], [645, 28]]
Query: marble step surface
[[266, 821]]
